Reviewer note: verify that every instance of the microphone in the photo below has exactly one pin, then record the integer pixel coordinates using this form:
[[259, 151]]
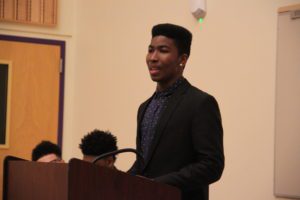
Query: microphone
[[112, 153]]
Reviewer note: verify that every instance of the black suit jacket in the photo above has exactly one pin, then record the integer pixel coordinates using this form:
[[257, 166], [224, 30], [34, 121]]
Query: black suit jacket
[[187, 148]]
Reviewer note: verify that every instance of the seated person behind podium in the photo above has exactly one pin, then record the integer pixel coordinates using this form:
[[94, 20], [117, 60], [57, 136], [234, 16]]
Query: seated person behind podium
[[46, 151], [97, 143]]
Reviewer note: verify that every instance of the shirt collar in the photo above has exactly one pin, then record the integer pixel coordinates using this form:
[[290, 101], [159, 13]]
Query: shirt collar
[[170, 90]]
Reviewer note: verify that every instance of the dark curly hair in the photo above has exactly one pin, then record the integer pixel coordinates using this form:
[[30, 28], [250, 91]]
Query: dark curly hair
[[45, 148], [98, 142]]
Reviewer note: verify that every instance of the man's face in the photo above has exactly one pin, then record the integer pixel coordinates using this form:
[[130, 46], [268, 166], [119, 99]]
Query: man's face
[[163, 61], [50, 158], [105, 162]]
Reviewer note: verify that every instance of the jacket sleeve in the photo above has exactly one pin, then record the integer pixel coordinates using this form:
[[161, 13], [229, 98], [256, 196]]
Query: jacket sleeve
[[207, 137], [136, 168]]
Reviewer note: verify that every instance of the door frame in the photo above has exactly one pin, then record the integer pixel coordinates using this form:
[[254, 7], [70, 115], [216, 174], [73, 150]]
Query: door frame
[[62, 45]]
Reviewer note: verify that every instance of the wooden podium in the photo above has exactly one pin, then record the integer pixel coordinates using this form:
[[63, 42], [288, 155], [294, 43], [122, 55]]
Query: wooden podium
[[77, 180]]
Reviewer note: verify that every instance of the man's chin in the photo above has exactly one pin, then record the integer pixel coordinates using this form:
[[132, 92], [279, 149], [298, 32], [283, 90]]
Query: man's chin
[[155, 79]]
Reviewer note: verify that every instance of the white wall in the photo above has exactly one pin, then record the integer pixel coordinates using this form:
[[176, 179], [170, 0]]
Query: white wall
[[233, 57]]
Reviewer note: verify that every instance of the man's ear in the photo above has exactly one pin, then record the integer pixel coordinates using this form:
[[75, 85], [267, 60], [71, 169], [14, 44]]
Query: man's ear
[[183, 60], [110, 161]]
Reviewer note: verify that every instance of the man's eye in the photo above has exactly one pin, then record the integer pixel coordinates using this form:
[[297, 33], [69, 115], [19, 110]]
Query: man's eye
[[164, 50]]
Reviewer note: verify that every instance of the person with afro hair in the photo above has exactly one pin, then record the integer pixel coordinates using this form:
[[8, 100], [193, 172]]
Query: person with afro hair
[[97, 143]]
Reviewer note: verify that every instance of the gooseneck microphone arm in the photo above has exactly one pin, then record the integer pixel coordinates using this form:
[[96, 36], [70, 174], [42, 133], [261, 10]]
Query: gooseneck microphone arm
[[112, 153]]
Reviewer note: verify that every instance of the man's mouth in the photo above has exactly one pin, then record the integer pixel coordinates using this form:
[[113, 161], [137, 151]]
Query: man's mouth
[[154, 70]]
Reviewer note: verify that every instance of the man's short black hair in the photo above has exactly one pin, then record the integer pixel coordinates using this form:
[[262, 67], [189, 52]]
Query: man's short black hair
[[45, 148], [181, 36], [98, 142]]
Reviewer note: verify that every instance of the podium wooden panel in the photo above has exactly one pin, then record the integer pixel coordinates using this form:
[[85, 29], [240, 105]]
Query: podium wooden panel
[[78, 180]]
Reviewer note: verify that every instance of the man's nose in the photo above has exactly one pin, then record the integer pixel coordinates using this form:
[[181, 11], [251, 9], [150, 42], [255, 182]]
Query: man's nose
[[153, 56]]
